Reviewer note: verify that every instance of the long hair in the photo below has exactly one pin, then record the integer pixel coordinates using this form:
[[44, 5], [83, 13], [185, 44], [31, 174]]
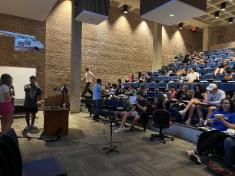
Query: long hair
[[231, 104], [6, 79], [201, 88]]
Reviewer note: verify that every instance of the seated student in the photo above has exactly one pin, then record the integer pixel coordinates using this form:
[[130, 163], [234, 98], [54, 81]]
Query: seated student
[[229, 151], [229, 159], [148, 76], [221, 69], [215, 96], [120, 88], [171, 94], [187, 58], [220, 120], [192, 76], [137, 108], [130, 78], [108, 88], [184, 94], [199, 96], [228, 75]]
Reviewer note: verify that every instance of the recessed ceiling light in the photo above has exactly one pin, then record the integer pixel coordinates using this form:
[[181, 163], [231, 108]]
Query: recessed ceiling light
[[223, 6], [171, 15], [180, 26], [216, 14], [125, 8]]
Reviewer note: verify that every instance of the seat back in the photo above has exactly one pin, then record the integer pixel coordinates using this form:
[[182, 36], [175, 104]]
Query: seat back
[[161, 118]]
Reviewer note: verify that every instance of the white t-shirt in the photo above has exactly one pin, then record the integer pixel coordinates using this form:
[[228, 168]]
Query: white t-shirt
[[191, 77], [89, 76], [3, 89]]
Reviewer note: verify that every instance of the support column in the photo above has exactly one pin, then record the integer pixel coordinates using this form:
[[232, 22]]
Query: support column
[[157, 47], [76, 64], [205, 38]]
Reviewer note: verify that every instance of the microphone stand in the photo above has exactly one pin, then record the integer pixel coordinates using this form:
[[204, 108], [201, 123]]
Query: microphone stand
[[110, 147]]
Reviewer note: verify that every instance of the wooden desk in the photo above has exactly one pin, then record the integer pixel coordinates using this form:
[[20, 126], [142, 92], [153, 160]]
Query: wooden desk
[[55, 119]]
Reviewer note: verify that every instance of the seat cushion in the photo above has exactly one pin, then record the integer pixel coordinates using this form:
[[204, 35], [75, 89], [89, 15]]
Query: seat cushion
[[44, 167]]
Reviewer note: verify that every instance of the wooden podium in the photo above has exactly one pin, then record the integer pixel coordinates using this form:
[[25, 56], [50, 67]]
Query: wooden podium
[[55, 117]]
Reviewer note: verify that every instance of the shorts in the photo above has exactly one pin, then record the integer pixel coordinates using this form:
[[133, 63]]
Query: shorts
[[6, 108], [31, 109], [134, 114]]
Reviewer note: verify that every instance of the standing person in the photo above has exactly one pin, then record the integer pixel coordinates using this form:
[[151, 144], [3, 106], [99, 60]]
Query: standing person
[[6, 106], [89, 76], [97, 99], [32, 100]]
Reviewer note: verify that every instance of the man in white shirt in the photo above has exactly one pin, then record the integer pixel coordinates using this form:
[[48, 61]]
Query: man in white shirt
[[89, 76], [192, 76], [215, 96]]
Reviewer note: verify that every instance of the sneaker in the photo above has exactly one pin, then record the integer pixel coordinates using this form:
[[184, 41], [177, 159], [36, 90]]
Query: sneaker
[[27, 128], [194, 157], [205, 123], [119, 130], [182, 113], [200, 123], [190, 152], [188, 122]]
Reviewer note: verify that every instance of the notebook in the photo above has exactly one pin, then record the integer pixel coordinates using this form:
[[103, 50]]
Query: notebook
[[132, 100]]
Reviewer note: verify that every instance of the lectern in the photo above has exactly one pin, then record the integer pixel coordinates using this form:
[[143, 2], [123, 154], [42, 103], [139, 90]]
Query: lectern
[[56, 113]]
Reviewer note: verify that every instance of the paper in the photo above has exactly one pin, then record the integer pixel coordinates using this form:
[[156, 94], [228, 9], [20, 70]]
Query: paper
[[132, 100]]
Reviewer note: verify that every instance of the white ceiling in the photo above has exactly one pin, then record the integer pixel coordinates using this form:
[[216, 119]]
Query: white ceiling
[[33, 9], [180, 10], [207, 19]]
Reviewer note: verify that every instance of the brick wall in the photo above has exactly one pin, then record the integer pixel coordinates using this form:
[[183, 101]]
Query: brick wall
[[9, 57], [222, 37], [58, 47], [175, 41], [117, 47]]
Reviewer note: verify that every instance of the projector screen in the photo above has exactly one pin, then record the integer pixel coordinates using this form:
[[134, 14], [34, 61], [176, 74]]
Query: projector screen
[[20, 78]]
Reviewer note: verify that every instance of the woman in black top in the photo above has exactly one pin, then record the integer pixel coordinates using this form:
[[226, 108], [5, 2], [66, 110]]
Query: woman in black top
[[184, 94], [200, 95]]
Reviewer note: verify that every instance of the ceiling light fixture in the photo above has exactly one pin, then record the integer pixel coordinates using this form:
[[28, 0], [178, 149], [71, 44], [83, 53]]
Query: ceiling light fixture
[[171, 15], [223, 6], [180, 26], [125, 8], [217, 14], [230, 20]]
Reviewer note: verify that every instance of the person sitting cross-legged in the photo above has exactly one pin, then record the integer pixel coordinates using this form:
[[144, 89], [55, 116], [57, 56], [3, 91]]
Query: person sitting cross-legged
[[199, 96], [215, 96], [137, 108]]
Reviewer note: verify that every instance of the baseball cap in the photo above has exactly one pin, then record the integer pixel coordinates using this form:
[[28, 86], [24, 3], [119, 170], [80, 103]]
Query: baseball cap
[[211, 87]]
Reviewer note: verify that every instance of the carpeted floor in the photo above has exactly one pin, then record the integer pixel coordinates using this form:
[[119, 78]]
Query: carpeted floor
[[81, 154]]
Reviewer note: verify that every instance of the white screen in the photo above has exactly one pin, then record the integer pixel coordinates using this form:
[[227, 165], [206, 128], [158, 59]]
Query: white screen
[[20, 78]]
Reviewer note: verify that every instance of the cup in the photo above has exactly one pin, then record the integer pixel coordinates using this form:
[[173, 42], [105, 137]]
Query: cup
[[219, 115]]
